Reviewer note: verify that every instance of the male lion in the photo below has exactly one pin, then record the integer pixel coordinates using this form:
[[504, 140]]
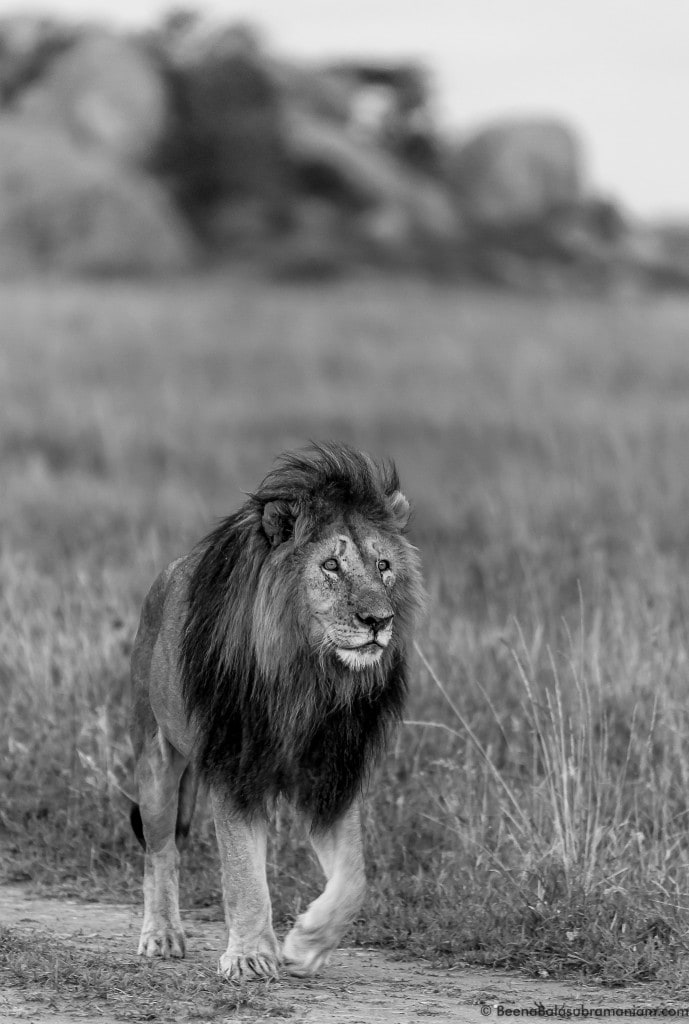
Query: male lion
[[272, 662]]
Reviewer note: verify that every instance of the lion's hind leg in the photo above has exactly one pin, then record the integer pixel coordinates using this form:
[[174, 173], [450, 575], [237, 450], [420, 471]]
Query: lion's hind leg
[[188, 788], [317, 931], [159, 770]]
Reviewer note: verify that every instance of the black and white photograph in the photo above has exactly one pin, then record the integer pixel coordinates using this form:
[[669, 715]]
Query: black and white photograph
[[344, 511]]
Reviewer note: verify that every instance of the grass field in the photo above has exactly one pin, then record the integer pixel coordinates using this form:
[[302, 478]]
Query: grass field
[[540, 820]]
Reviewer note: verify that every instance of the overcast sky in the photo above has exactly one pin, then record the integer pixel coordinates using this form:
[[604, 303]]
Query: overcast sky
[[618, 70]]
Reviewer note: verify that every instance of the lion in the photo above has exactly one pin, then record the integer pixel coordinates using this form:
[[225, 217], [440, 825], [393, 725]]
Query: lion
[[271, 662]]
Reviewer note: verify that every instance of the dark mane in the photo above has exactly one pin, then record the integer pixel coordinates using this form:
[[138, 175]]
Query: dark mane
[[287, 722], [332, 477]]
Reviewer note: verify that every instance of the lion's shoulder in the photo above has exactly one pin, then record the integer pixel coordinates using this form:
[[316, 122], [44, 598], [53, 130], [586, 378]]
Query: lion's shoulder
[[171, 584]]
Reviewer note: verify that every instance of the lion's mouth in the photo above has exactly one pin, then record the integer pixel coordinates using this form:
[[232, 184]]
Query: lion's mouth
[[360, 656]]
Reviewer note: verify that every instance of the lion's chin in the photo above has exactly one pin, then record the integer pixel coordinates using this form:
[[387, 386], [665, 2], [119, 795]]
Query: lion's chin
[[359, 658]]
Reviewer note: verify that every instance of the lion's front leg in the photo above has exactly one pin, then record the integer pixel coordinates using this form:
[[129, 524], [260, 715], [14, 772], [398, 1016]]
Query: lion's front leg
[[319, 929], [252, 949]]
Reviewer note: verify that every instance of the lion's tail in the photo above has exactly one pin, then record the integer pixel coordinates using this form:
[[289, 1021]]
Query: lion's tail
[[188, 788]]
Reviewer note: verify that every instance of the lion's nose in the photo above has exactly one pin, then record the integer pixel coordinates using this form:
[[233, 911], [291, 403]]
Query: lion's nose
[[374, 622]]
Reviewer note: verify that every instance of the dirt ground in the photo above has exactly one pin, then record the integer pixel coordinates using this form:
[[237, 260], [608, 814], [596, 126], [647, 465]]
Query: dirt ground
[[358, 986]]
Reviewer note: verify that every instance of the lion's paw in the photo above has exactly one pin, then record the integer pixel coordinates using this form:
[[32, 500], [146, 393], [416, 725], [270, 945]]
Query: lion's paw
[[248, 967], [162, 940], [304, 954]]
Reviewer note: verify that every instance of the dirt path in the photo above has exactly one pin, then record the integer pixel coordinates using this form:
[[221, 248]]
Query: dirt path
[[357, 987]]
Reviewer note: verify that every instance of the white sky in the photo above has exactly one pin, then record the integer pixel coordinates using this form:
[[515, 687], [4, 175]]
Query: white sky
[[618, 70]]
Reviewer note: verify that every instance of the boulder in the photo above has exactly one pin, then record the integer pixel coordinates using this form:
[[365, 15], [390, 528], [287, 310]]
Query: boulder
[[28, 44], [320, 91], [516, 171], [104, 91], [373, 182], [69, 209]]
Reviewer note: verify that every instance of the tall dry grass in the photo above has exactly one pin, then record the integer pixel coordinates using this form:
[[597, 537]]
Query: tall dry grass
[[533, 809]]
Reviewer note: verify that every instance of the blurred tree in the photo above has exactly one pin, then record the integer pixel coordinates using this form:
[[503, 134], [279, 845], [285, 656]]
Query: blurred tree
[[224, 143]]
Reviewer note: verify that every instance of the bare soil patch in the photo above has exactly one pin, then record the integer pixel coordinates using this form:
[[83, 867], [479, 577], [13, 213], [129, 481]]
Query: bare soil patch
[[359, 985]]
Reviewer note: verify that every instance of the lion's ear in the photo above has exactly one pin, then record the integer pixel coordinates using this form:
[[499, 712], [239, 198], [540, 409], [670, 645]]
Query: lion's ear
[[399, 507], [278, 521]]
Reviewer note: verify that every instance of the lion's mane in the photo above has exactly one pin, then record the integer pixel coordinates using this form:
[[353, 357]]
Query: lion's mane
[[272, 715]]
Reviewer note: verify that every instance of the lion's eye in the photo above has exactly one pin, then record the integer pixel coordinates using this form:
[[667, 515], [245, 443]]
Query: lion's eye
[[331, 565], [383, 565]]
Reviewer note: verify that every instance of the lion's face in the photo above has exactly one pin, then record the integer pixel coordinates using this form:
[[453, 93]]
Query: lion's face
[[338, 585], [350, 576]]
